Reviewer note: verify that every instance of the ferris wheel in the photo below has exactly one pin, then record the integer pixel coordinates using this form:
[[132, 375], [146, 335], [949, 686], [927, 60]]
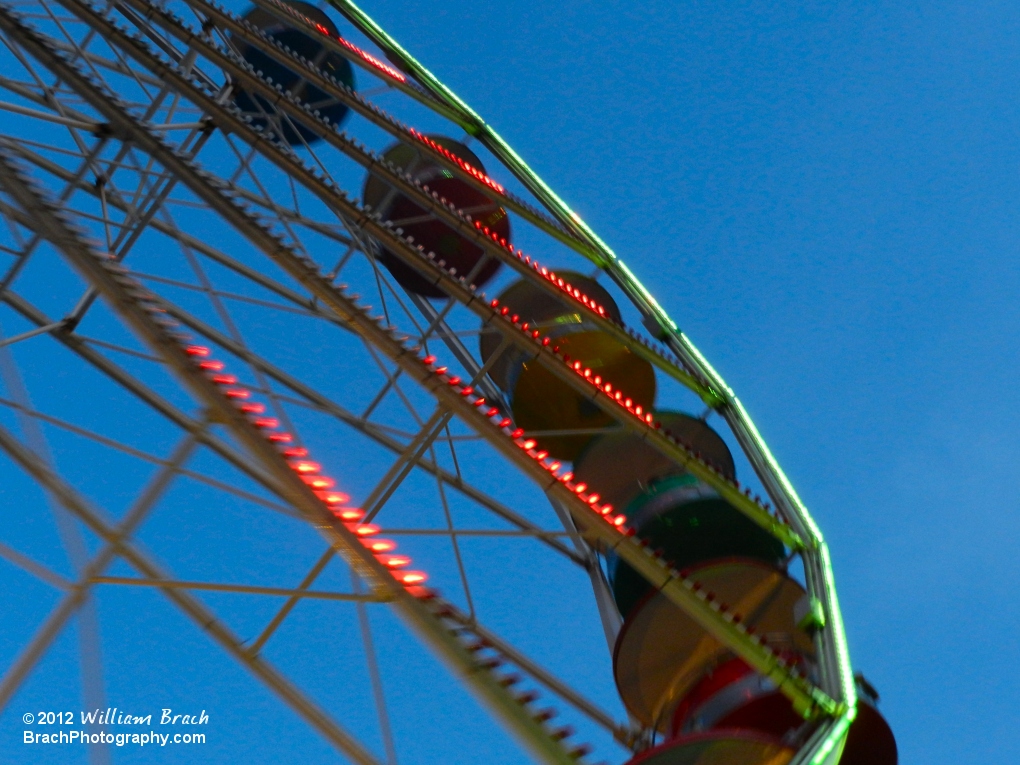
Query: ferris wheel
[[301, 361]]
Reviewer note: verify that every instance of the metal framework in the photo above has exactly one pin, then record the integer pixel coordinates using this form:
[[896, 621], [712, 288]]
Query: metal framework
[[147, 219]]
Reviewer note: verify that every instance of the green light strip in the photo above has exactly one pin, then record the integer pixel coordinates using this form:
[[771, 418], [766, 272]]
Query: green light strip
[[835, 739], [603, 256]]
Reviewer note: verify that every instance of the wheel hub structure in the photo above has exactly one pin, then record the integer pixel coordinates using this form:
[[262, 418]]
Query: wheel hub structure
[[316, 402]]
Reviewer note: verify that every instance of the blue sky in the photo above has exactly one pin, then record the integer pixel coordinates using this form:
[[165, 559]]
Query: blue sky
[[823, 196]]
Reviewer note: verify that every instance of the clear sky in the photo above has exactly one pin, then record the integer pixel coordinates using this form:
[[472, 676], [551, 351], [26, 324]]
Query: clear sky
[[824, 197]]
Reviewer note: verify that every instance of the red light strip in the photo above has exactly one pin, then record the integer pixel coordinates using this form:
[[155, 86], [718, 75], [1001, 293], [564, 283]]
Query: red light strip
[[528, 445], [622, 400], [466, 167], [367, 57], [372, 60], [311, 473], [550, 276]]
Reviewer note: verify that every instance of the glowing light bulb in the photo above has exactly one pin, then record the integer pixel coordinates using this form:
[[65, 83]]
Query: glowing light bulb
[[333, 497]]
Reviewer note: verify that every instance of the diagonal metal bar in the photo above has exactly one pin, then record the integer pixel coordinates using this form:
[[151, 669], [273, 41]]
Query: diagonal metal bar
[[47, 116], [274, 623], [609, 614], [89, 644], [38, 570], [132, 229], [78, 594], [384, 488], [185, 239], [328, 405], [69, 188], [448, 517], [146, 457], [30, 333], [438, 325], [375, 676], [232, 328], [620, 731], [189, 605], [389, 483], [141, 391]]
